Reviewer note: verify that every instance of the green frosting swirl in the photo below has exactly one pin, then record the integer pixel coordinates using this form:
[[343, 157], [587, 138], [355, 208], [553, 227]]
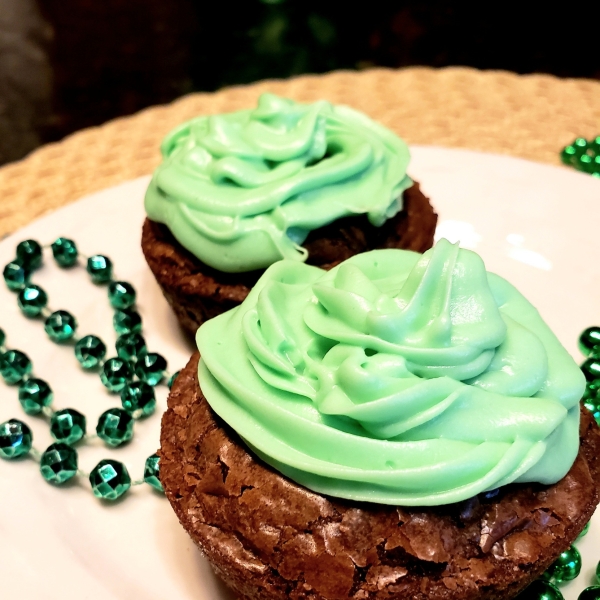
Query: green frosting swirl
[[243, 190], [395, 378]]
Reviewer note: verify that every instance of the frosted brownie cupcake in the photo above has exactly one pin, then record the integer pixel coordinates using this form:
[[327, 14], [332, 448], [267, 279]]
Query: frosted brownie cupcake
[[237, 192], [402, 426]]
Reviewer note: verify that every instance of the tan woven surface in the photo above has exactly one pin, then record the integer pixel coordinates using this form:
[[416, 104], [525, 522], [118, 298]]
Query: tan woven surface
[[527, 116]]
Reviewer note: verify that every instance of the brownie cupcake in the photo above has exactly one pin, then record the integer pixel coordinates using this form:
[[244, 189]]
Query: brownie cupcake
[[402, 426], [237, 192]]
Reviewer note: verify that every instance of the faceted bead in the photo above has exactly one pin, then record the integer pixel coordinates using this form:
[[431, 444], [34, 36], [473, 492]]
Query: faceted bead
[[172, 379], [151, 473], [64, 252], [138, 399], [540, 590], [29, 253], [584, 530], [590, 593], [115, 427], [34, 395], [100, 268], [115, 373], [2, 338], [591, 369], [68, 426], [566, 567], [58, 463], [121, 295], [60, 326], [589, 340], [14, 366], [131, 346], [109, 480], [32, 299], [90, 351], [16, 276], [127, 321], [15, 439], [151, 368]]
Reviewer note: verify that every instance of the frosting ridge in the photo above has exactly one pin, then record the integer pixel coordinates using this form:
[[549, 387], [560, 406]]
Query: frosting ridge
[[395, 378], [243, 190]]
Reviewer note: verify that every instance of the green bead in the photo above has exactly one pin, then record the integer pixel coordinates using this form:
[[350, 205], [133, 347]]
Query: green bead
[[566, 567], [151, 473], [34, 395], [90, 351], [172, 379], [15, 439], [32, 299], [2, 338], [131, 346], [127, 321], [584, 530], [568, 154], [589, 340], [100, 268], [121, 295], [597, 570], [109, 480], [138, 399], [590, 593], [14, 366], [151, 368], [16, 276], [29, 253], [60, 326], [115, 373], [68, 426], [64, 252], [591, 369], [58, 463], [540, 590], [115, 427]]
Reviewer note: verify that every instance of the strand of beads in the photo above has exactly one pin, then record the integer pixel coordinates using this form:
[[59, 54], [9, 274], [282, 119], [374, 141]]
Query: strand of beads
[[133, 372], [583, 155], [589, 344], [59, 462]]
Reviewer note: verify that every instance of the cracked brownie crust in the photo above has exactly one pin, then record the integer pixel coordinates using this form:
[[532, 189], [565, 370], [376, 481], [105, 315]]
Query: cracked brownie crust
[[269, 538], [197, 292]]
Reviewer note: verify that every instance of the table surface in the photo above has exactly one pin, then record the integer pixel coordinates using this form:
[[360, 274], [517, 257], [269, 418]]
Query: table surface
[[529, 116]]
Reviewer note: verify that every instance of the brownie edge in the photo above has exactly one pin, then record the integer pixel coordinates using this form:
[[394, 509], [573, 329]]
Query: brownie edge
[[269, 538], [197, 292]]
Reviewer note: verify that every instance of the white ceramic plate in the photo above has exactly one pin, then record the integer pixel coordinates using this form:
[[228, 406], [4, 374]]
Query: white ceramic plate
[[534, 224]]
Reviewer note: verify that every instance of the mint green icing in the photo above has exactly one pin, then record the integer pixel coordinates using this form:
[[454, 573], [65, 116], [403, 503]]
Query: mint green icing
[[243, 190], [395, 378]]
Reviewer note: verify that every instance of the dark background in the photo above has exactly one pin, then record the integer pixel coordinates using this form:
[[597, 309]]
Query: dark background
[[107, 58]]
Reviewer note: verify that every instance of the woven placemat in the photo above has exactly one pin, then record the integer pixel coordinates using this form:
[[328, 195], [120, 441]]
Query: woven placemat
[[530, 116]]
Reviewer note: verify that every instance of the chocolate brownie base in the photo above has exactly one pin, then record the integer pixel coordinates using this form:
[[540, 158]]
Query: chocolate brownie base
[[197, 292], [269, 538]]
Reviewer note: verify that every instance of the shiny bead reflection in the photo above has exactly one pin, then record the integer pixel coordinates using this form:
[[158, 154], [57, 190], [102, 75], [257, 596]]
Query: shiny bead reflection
[[58, 463], [115, 427], [60, 326], [566, 567], [590, 593], [32, 299], [64, 252], [540, 590], [90, 351], [15, 439], [151, 368], [115, 373], [151, 473], [589, 341], [109, 480], [34, 395], [14, 366], [138, 399], [68, 426]]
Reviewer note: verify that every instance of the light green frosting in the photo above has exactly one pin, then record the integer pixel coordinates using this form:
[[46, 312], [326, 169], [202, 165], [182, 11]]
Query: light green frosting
[[395, 378], [242, 190]]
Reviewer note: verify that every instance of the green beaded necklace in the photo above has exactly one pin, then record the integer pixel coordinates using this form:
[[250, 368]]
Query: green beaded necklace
[[583, 155], [133, 373]]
